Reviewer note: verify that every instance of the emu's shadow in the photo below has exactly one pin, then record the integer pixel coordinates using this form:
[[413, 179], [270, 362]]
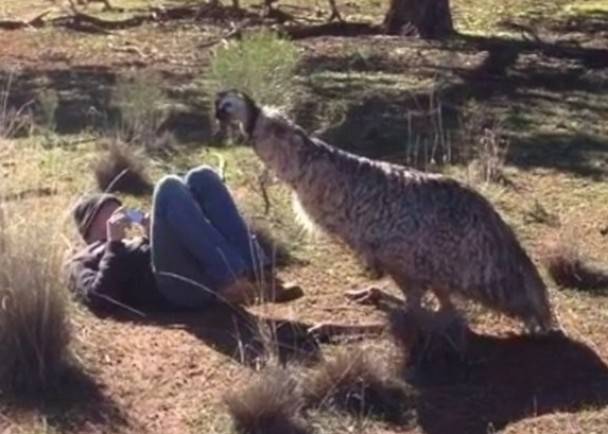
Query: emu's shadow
[[504, 380], [248, 338], [493, 381]]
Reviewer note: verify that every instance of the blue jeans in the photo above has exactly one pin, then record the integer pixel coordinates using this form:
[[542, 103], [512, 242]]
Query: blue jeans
[[200, 243]]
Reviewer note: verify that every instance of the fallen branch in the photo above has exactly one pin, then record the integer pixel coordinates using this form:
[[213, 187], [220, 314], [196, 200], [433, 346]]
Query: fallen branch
[[332, 29], [84, 22], [234, 33], [79, 20], [37, 21], [590, 57]]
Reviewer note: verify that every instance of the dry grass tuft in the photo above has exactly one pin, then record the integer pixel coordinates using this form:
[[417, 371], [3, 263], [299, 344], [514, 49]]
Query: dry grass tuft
[[34, 324], [491, 156], [270, 404], [356, 381], [483, 145], [120, 170], [571, 269], [12, 120], [142, 102]]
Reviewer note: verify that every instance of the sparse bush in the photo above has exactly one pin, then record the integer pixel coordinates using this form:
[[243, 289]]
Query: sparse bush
[[262, 65], [481, 144], [48, 102], [569, 268], [34, 326], [120, 170], [142, 102], [12, 120], [270, 404], [490, 156], [356, 381], [537, 213], [428, 142]]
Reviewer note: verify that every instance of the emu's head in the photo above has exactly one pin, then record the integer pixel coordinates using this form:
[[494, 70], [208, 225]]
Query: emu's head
[[233, 106]]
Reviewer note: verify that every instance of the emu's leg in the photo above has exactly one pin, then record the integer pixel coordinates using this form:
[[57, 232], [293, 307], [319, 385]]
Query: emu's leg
[[413, 292], [540, 327], [447, 311], [449, 322], [445, 302]]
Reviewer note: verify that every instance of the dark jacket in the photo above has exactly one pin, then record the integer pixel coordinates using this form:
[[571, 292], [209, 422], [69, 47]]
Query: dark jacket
[[116, 276]]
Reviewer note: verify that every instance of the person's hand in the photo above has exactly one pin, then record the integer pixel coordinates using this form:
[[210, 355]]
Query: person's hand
[[117, 225]]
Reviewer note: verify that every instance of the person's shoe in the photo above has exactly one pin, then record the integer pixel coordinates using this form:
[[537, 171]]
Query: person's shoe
[[241, 291], [288, 293], [244, 291]]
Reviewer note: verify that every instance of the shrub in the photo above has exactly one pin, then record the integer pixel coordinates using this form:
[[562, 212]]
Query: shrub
[[569, 268], [270, 404], [12, 120], [141, 101], [262, 65], [360, 383], [48, 103], [482, 144], [34, 326], [120, 170], [491, 154]]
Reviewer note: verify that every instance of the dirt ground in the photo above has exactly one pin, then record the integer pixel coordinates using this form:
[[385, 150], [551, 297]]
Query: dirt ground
[[541, 70]]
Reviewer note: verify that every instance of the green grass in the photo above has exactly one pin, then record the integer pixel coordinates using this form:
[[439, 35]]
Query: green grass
[[261, 65]]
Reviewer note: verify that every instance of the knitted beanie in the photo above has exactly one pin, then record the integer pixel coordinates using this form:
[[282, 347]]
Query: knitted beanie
[[88, 206]]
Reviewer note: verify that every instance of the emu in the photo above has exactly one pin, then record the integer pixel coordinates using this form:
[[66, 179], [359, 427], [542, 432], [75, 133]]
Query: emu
[[426, 231]]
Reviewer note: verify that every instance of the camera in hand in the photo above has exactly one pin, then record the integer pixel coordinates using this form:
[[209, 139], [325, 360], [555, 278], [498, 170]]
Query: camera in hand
[[136, 216]]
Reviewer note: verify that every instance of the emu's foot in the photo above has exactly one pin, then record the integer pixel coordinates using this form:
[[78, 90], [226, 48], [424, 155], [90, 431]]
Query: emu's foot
[[368, 296], [542, 328]]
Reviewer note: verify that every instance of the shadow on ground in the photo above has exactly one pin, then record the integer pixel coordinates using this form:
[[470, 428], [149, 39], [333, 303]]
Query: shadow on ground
[[490, 382], [547, 98], [505, 380], [591, 22], [78, 402], [252, 339]]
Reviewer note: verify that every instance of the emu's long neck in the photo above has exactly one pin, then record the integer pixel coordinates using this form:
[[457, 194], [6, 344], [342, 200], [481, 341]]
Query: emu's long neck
[[284, 147], [315, 171]]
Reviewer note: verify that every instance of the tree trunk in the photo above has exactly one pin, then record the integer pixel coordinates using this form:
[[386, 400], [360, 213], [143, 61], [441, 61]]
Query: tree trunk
[[430, 19]]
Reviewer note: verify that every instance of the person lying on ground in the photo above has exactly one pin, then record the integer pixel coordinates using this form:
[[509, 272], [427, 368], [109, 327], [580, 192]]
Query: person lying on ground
[[196, 250]]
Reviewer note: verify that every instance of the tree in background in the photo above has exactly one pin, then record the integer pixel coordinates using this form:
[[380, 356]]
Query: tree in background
[[429, 19]]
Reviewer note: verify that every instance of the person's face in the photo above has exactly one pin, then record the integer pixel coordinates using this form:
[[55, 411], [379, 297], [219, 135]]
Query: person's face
[[97, 231]]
